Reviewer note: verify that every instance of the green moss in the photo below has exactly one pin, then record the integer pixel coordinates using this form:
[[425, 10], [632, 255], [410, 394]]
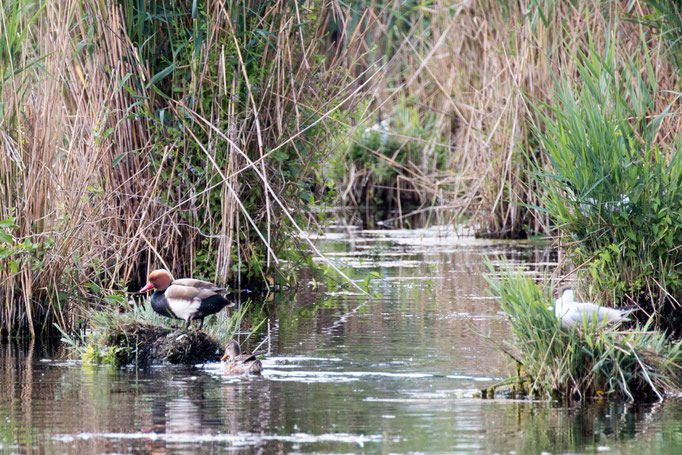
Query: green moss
[[101, 355]]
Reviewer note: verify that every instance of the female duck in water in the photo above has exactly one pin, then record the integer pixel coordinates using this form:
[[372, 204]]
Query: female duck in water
[[238, 363], [187, 298]]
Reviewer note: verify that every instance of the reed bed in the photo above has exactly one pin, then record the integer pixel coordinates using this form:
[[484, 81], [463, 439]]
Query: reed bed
[[557, 118], [474, 68], [140, 135], [166, 137]]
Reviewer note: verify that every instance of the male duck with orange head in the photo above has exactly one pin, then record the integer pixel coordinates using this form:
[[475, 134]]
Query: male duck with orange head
[[186, 298]]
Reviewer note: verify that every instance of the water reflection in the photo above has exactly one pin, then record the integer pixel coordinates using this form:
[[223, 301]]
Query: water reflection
[[395, 374]]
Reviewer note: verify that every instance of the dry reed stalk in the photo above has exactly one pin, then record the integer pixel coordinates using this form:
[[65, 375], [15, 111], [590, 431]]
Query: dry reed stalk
[[86, 179], [476, 64], [418, 178], [263, 124]]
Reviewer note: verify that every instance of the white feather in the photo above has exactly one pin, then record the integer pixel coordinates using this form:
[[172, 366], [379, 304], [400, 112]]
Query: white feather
[[183, 308], [572, 313]]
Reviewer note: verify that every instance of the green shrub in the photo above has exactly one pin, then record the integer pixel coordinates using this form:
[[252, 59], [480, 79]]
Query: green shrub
[[386, 161], [615, 195]]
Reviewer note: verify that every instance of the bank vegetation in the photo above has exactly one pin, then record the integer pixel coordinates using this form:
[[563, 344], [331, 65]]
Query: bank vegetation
[[203, 137]]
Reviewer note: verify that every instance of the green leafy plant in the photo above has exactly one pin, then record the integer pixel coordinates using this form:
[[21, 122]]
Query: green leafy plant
[[611, 190], [390, 161]]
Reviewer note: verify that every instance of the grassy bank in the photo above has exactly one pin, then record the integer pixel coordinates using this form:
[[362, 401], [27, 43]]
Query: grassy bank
[[589, 361]]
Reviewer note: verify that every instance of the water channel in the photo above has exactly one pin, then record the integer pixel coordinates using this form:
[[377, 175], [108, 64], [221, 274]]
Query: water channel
[[394, 374]]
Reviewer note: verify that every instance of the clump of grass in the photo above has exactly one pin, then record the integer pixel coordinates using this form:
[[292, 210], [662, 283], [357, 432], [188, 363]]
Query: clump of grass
[[135, 334], [392, 163], [585, 362], [613, 191]]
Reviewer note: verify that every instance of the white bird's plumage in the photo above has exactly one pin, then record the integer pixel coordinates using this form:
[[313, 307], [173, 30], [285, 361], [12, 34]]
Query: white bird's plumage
[[572, 313], [591, 205]]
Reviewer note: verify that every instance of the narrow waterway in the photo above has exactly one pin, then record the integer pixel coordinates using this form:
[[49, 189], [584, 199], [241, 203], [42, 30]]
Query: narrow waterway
[[345, 374]]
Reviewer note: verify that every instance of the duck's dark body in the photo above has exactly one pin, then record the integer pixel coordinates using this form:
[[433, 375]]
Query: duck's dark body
[[160, 305]]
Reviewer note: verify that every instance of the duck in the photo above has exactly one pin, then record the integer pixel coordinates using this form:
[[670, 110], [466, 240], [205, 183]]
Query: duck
[[572, 313], [237, 363], [187, 298]]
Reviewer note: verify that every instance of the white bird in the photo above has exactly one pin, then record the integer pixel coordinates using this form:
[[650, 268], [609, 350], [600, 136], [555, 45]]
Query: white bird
[[572, 313], [589, 205]]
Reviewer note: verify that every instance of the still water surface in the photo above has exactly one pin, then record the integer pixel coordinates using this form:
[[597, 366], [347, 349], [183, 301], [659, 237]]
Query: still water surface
[[395, 374]]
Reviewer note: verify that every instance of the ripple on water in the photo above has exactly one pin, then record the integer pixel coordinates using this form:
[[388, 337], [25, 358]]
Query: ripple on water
[[394, 374], [239, 439], [322, 376]]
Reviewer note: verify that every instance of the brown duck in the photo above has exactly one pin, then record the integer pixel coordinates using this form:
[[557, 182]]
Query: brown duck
[[187, 298], [237, 363]]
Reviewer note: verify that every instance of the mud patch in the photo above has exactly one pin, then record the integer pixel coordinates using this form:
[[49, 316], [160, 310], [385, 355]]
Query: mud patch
[[142, 344]]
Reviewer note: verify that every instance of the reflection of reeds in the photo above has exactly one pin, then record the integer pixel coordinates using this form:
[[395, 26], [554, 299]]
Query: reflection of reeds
[[116, 162], [574, 429]]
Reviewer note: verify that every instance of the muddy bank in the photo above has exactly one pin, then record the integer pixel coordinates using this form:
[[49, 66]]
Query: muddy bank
[[143, 344]]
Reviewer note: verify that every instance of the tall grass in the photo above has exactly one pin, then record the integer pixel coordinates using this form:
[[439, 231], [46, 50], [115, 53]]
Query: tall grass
[[615, 184], [472, 66], [667, 21], [54, 133], [147, 134]]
